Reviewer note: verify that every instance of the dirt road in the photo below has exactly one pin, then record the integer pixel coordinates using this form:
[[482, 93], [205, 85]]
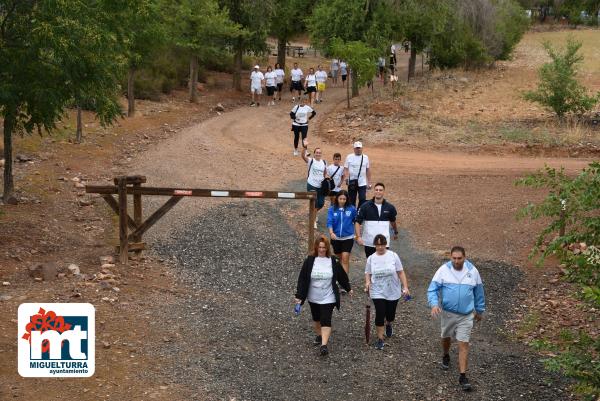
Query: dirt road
[[243, 344]]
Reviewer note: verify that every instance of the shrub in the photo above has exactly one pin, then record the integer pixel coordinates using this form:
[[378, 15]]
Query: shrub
[[573, 207], [558, 89]]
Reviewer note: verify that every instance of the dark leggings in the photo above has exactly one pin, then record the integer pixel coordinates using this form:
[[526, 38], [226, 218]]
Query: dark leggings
[[384, 311], [321, 313], [297, 131]]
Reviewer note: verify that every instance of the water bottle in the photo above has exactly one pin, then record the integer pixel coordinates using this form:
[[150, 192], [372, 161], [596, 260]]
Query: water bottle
[[297, 309]]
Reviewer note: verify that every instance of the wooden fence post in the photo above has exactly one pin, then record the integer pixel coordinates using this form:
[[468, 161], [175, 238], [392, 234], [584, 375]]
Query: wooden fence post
[[312, 216], [137, 214], [123, 240]]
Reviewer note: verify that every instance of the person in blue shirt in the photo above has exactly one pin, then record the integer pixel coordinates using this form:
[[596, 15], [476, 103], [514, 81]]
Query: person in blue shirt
[[340, 222], [458, 284]]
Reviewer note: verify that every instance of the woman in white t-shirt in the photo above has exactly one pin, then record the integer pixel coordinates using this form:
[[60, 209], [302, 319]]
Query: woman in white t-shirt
[[317, 172], [321, 81], [385, 282], [311, 85], [280, 78], [271, 85], [318, 282]]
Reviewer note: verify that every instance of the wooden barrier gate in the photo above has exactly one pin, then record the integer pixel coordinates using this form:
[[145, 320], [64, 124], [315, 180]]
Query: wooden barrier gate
[[132, 185]]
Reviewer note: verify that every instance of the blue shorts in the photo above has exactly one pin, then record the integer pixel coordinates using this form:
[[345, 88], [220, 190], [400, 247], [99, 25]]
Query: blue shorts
[[320, 196]]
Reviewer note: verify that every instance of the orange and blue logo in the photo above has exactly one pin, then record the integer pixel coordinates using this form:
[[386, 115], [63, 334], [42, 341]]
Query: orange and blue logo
[[56, 340]]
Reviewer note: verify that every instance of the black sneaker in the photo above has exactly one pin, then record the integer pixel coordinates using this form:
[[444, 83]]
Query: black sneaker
[[324, 350], [446, 362], [464, 383], [318, 340], [389, 330]]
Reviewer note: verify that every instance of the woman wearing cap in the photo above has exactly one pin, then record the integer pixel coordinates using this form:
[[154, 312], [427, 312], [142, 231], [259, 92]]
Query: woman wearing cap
[[318, 282], [385, 282], [256, 81], [317, 172], [340, 222], [271, 85]]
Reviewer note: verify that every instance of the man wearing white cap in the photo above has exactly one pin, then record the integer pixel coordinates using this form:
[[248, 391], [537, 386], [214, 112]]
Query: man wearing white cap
[[256, 82], [357, 174]]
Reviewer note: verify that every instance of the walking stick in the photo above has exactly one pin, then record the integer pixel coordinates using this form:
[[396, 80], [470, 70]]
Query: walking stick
[[368, 319]]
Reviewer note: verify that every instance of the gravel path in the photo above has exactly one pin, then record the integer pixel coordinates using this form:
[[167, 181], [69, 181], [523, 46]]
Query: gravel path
[[239, 339]]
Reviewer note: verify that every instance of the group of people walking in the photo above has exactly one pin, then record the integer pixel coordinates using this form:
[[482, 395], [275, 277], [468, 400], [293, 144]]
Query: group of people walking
[[455, 293], [312, 84]]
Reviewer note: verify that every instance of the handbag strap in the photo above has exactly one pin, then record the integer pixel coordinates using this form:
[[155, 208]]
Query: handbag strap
[[310, 165], [360, 168]]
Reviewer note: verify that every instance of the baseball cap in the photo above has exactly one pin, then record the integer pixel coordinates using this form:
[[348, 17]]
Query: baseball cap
[[358, 144], [256, 66]]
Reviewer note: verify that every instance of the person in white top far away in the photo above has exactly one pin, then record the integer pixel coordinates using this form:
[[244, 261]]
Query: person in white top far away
[[256, 83]]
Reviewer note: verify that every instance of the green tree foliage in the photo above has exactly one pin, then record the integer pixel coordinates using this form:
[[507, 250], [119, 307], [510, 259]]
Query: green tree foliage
[[421, 21], [287, 20], [200, 28], [52, 52], [359, 56], [253, 19], [558, 89], [572, 207], [144, 27]]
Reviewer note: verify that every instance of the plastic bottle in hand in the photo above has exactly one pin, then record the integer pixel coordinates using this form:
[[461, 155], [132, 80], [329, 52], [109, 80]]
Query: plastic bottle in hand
[[297, 309]]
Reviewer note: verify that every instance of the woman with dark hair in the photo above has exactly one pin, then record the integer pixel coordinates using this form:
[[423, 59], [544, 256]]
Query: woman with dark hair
[[385, 282], [340, 222], [317, 282]]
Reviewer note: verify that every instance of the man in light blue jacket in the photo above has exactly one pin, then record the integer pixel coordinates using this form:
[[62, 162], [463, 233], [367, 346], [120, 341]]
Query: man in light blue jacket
[[462, 301]]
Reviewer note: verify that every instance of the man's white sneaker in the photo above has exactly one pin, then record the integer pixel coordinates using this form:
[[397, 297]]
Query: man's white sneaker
[[296, 153]]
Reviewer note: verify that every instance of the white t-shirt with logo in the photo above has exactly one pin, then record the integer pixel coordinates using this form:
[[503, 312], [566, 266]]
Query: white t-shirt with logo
[[311, 80], [280, 75], [321, 76], [296, 74], [337, 178], [321, 290], [352, 163], [316, 172], [256, 79], [302, 114], [384, 269], [270, 78]]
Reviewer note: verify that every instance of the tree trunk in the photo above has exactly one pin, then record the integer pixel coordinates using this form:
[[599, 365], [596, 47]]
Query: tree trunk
[[348, 94], [281, 42], [79, 131], [9, 125], [194, 79], [412, 62], [354, 82], [237, 66], [130, 92]]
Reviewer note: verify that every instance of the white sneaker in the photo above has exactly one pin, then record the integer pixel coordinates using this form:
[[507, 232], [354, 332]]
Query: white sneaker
[[316, 225], [296, 153], [293, 99]]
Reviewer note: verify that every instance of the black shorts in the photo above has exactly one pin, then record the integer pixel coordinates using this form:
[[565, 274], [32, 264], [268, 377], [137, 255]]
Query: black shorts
[[343, 245], [381, 70], [279, 86], [300, 129], [311, 89], [270, 90], [344, 77], [296, 86]]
